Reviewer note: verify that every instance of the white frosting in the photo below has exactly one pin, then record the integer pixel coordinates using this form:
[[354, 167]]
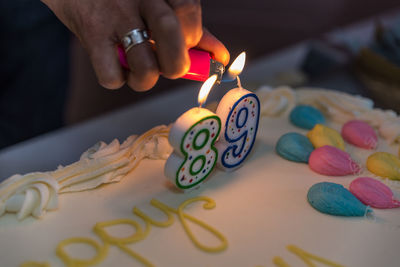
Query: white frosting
[[266, 184], [337, 106], [341, 107], [390, 130], [30, 194], [276, 102], [245, 200], [34, 193]]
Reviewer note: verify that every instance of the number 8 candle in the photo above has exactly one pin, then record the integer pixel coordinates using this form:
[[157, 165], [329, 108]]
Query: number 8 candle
[[193, 136], [239, 111]]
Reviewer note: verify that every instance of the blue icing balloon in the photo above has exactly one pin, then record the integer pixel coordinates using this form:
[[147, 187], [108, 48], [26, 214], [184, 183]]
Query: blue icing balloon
[[306, 117], [294, 147], [334, 199]]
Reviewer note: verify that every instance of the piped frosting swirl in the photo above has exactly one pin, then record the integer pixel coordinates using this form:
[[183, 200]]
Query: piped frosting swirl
[[30, 194], [35, 193]]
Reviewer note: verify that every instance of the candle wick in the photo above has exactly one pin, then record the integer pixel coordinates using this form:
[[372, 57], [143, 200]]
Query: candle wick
[[238, 82]]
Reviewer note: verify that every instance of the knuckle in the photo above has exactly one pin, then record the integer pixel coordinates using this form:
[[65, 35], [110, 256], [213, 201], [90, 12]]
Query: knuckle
[[147, 69], [143, 79], [168, 22], [141, 85], [91, 34], [108, 76], [111, 83], [193, 37], [189, 14], [176, 69]]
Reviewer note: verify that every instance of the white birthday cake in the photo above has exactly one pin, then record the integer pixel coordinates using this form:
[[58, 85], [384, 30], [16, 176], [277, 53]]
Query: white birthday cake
[[115, 207]]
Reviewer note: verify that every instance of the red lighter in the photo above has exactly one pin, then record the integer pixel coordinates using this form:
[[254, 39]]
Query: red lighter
[[202, 65]]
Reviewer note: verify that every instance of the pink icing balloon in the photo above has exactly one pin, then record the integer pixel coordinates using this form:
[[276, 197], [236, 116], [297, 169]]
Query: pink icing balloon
[[373, 193], [329, 160], [360, 134]]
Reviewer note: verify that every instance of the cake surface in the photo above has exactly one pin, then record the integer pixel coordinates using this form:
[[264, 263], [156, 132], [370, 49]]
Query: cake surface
[[261, 208]]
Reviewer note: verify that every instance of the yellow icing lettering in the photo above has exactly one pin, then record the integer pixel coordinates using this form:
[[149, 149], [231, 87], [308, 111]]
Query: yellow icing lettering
[[101, 252], [306, 257], [34, 264], [146, 218], [135, 255], [278, 261], [139, 234], [210, 204], [322, 135], [385, 165], [121, 242]]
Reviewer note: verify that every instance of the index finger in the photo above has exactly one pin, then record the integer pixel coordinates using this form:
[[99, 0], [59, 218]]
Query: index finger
[[189, 14]]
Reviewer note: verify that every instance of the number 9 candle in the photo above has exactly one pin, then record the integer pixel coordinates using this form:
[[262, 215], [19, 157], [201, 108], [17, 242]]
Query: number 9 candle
[[193, 136], [239, 111]]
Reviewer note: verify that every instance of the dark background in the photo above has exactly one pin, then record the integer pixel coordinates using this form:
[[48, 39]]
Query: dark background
[[258, 27], [59, 87]]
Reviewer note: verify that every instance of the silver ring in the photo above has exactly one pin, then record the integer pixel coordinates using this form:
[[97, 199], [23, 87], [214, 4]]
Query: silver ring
[[134, 37]]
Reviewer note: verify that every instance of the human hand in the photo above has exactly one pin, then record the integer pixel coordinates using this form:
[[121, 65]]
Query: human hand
[[175, 26]]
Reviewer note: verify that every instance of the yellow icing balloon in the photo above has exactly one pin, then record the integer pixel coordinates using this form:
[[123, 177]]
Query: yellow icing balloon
[[322, 135], [385, 165]]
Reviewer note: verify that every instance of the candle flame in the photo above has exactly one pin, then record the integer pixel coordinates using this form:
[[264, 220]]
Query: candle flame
[[206, 88], [238, 64]]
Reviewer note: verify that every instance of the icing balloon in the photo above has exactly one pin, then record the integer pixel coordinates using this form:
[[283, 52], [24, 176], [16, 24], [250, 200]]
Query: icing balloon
[[385, 165], [334, 199], [306, 117], [373, 193], [322, 135], [329, 160], [360, 134], [294, 147]]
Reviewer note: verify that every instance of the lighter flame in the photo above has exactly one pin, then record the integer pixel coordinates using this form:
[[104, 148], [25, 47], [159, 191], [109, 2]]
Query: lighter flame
[[237, 66], [205, 89]]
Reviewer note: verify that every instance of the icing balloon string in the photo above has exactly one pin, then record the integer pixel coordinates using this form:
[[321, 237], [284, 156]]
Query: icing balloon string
[[370, 214], [356, 168]]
